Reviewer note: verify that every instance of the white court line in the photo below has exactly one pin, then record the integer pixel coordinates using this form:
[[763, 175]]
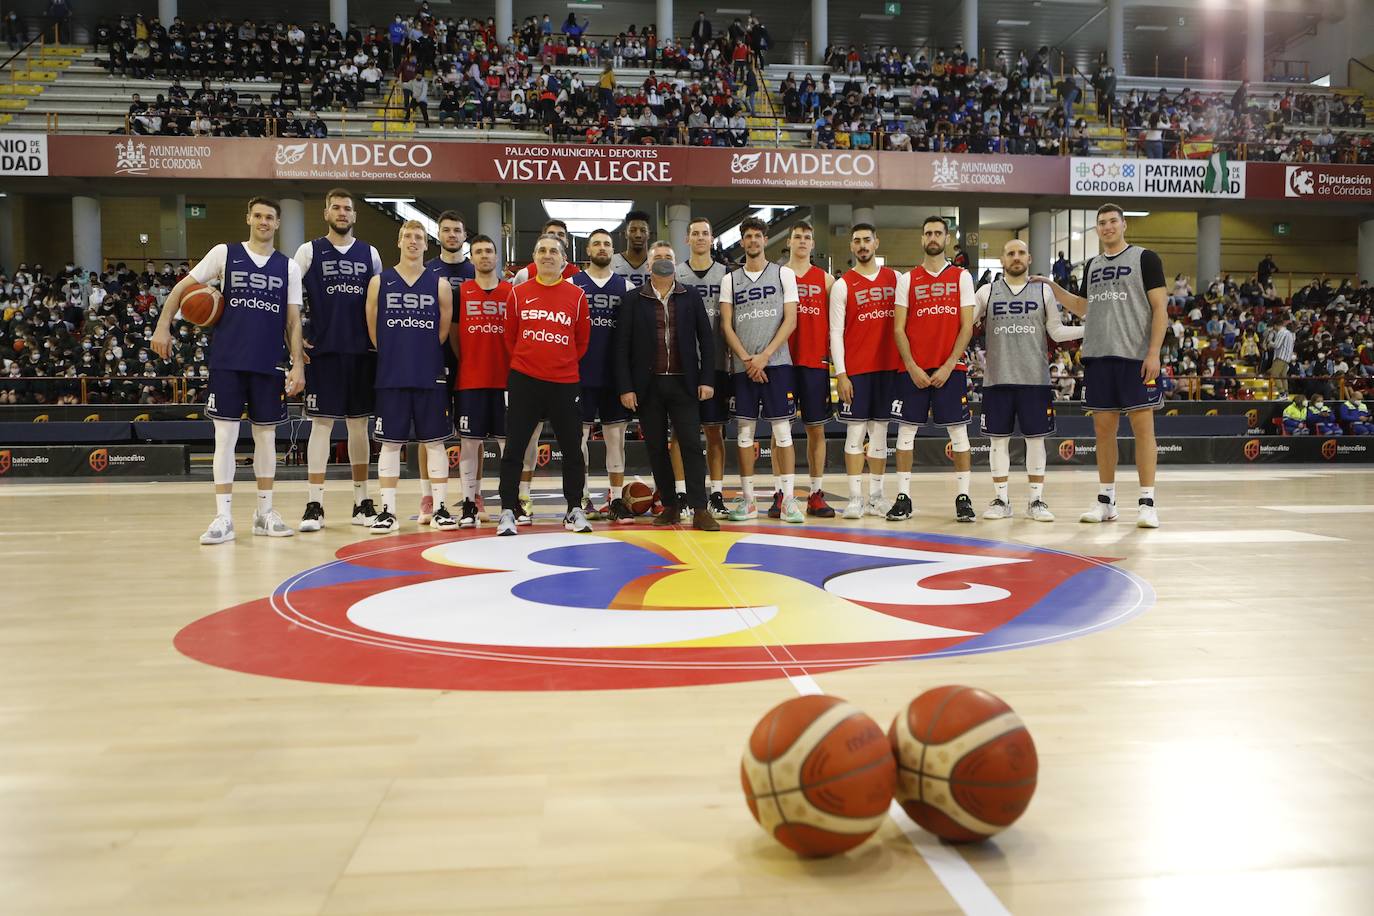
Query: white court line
[[952, 870], [1328, 509], [963, 883], [1238, 536]]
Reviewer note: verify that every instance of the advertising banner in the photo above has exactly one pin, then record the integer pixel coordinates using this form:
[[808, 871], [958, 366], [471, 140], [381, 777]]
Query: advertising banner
[[87, 461], [1098, 176], [23, 154], [1311, 181]]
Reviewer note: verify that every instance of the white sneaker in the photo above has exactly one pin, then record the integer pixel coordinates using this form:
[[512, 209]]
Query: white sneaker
[[576, 521], [1038, 511], [1148, 516], [878, 507], [998, 508], [221, 530], [270, 525], [1104, 510], [791, 511], [854, 508], [505, 526], [743, 510]]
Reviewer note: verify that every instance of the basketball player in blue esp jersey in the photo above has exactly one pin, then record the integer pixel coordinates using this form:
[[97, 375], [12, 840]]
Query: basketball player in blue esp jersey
[[599, 400], [262, 313], [341, 368], [409, 310]]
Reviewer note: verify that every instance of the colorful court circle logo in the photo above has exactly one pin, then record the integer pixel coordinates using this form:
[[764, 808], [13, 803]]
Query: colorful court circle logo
[[657, 608]]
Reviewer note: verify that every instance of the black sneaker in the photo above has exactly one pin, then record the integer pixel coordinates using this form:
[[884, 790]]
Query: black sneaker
[[681, 503], [313, 519], [384, 522], [365, 513], [901, 509], [443, 519], [468, 517], [620, 513], [963, 509], [775, 510], [716, 504]]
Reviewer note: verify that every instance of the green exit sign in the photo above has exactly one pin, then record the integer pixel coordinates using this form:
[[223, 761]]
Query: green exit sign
[[892, 9], [195, 211], [1283, 229]]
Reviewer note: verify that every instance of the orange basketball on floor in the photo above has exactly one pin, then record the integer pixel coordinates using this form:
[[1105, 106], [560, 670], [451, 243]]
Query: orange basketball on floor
[[201, 304], [966, 765], [639, 496], [818, 775]]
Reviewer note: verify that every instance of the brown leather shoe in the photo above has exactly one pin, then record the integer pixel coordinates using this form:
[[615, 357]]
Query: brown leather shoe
[[667, 518], [702, 520]]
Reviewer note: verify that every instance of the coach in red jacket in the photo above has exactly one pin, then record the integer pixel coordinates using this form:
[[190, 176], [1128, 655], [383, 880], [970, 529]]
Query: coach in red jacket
[[663, 354], [548, 327]]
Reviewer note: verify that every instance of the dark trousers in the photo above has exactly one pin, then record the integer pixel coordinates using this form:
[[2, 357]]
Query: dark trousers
[[668, 399], [529, 400]]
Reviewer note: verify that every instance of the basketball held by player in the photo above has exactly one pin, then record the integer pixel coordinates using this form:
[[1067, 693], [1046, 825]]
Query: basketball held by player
[[409, 310], [260, 324]]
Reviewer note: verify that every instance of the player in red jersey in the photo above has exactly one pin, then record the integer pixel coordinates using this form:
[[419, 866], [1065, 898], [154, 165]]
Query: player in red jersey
[[934, 321], [479, 398], [810, 346], [864, 357]]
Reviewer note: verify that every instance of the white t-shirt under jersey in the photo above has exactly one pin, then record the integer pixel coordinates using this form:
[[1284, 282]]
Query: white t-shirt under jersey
[[305, 256], [211, 268]]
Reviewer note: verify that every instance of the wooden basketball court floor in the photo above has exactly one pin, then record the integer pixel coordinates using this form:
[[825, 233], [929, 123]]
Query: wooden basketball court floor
[[1205, 742]]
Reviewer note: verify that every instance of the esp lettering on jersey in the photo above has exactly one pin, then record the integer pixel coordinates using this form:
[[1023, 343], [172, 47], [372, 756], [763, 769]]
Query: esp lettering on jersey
[[250, 334], [336, 297], [409, 352], [933, 314], [602, 303], [810, 342], [868, 314], [481, 333]]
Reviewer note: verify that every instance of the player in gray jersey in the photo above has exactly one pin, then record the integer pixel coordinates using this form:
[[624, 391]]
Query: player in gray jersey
[[1017, 316], [758, 312], [1123, 302], [705, 274], [633, 262]]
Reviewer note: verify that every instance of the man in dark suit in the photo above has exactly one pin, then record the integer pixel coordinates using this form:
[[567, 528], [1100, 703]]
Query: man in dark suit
[[663, 353], [701, 32]]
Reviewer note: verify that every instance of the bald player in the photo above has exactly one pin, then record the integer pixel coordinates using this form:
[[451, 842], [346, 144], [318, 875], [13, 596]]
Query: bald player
[[1018, 314]]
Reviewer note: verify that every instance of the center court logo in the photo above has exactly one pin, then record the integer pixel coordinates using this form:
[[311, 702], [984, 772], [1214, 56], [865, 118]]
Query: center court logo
[[649, 608]]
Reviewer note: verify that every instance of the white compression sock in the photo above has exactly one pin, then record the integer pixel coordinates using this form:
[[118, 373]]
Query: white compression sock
[[469, 461], [904, 483], [747, 490], [359, 453], [436, 457], [317, 455]]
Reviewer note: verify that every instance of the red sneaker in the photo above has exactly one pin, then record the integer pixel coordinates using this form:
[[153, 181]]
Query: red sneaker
[[816, 506]]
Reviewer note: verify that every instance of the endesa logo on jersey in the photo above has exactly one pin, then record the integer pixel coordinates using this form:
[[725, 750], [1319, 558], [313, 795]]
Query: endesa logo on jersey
[[551, 610]]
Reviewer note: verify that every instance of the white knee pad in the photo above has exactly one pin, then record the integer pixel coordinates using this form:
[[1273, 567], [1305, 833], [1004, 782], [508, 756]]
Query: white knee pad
[[854, 438], [532, 449], [877, 439], [264, 451], [782, 433], [226, 437], [389, 461], [317, 449], [958, 438], [437, 458], [746, 434], [359, 450], [1035, 457], [999, 456], [614, 434], [906, 437]]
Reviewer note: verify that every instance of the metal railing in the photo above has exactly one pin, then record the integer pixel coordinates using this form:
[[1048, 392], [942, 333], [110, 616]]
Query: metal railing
[[174, 387]]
